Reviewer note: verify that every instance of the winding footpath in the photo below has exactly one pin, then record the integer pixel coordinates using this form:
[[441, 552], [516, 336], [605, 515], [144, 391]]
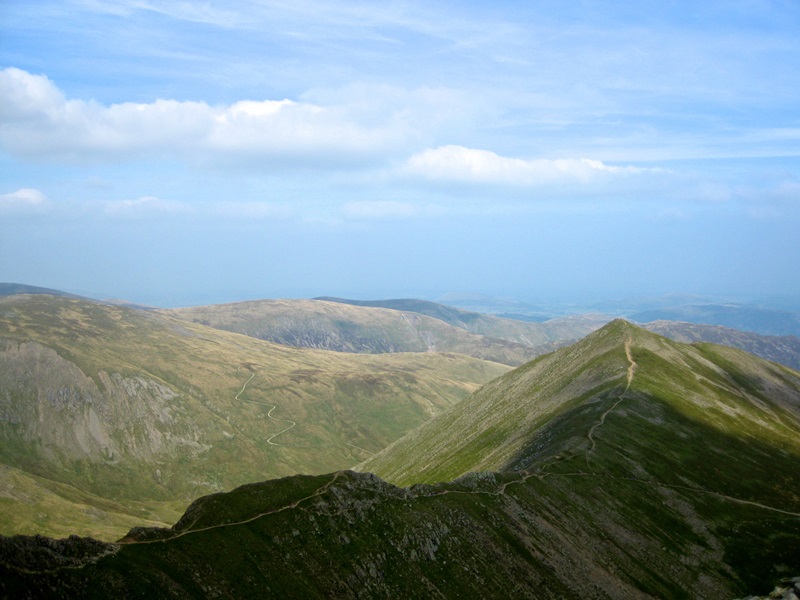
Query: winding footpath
[[269, 413], [291, 423], [631, 370], [318, 492]]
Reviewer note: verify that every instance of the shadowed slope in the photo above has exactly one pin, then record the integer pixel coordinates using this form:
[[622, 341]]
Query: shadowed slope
[[350, 535]]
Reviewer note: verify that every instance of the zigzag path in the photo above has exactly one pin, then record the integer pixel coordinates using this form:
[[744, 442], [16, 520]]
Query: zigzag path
[[292, 423], [269, 413]]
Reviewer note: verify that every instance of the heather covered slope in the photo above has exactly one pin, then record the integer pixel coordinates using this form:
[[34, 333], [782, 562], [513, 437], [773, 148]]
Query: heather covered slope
[[130, 406]]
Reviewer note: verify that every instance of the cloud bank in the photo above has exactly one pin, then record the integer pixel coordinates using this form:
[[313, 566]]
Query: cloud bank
[[38, 122]]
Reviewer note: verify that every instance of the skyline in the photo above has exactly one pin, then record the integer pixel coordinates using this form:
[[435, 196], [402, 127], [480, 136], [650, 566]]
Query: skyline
[[169, 153]]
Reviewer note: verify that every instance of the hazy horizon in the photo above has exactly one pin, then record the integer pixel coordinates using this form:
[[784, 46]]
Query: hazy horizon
[[162, 152]]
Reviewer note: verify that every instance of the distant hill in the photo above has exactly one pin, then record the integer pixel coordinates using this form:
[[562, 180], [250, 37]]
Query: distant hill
[[525, 331], [448, 314], [784, 349], [111, 416], [12, 289], [15, 289], [624, 466], [349, 328], [343, 326], [766, 321]]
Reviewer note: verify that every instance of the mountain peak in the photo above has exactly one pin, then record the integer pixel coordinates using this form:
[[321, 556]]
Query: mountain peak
[[567, 402]]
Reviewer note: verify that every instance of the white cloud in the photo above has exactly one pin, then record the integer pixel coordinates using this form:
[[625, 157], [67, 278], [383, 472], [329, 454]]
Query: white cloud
[[197, 12], [144, 207], [38, 122], [470, 165], [23, 200]]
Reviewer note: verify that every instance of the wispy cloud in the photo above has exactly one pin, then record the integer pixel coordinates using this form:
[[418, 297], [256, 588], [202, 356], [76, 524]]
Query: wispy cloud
[[470, 165], [377, 210], [24, 200], [195, 12], [249, 210], [144, 207]]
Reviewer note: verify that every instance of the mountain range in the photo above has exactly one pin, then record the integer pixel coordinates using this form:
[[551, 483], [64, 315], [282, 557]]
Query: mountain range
[[408, 325], [626, 465], [394, 326]]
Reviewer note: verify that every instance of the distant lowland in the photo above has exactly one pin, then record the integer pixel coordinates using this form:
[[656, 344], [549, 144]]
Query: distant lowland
[[392, 448]]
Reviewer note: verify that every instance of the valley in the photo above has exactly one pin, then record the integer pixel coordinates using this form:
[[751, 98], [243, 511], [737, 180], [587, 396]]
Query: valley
[[617, 484], [139, 409]]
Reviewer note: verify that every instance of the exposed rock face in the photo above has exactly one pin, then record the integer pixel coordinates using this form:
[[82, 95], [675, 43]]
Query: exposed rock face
[[54, 405]]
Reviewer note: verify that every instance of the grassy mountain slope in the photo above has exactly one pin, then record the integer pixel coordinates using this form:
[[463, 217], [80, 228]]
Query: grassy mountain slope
[[35, 504], [548, 407], [627, 466], [131, 405], [345, 328]]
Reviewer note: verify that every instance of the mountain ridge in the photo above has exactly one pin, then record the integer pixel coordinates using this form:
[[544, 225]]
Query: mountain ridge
[[634, 466], [494, 428]]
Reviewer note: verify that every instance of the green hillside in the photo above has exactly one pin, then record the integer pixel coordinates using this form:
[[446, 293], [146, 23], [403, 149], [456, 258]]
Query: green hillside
[[547, 409], [132, 407], [625, 466]]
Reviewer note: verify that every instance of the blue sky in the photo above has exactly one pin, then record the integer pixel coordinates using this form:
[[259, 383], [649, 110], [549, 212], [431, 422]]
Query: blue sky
[[188, 152]]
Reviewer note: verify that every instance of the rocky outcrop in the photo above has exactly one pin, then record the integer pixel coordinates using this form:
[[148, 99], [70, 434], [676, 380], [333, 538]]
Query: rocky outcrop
[[787, 589], [351, 535]]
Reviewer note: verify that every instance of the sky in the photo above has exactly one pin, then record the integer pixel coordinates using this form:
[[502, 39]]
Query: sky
[[188, 152]]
